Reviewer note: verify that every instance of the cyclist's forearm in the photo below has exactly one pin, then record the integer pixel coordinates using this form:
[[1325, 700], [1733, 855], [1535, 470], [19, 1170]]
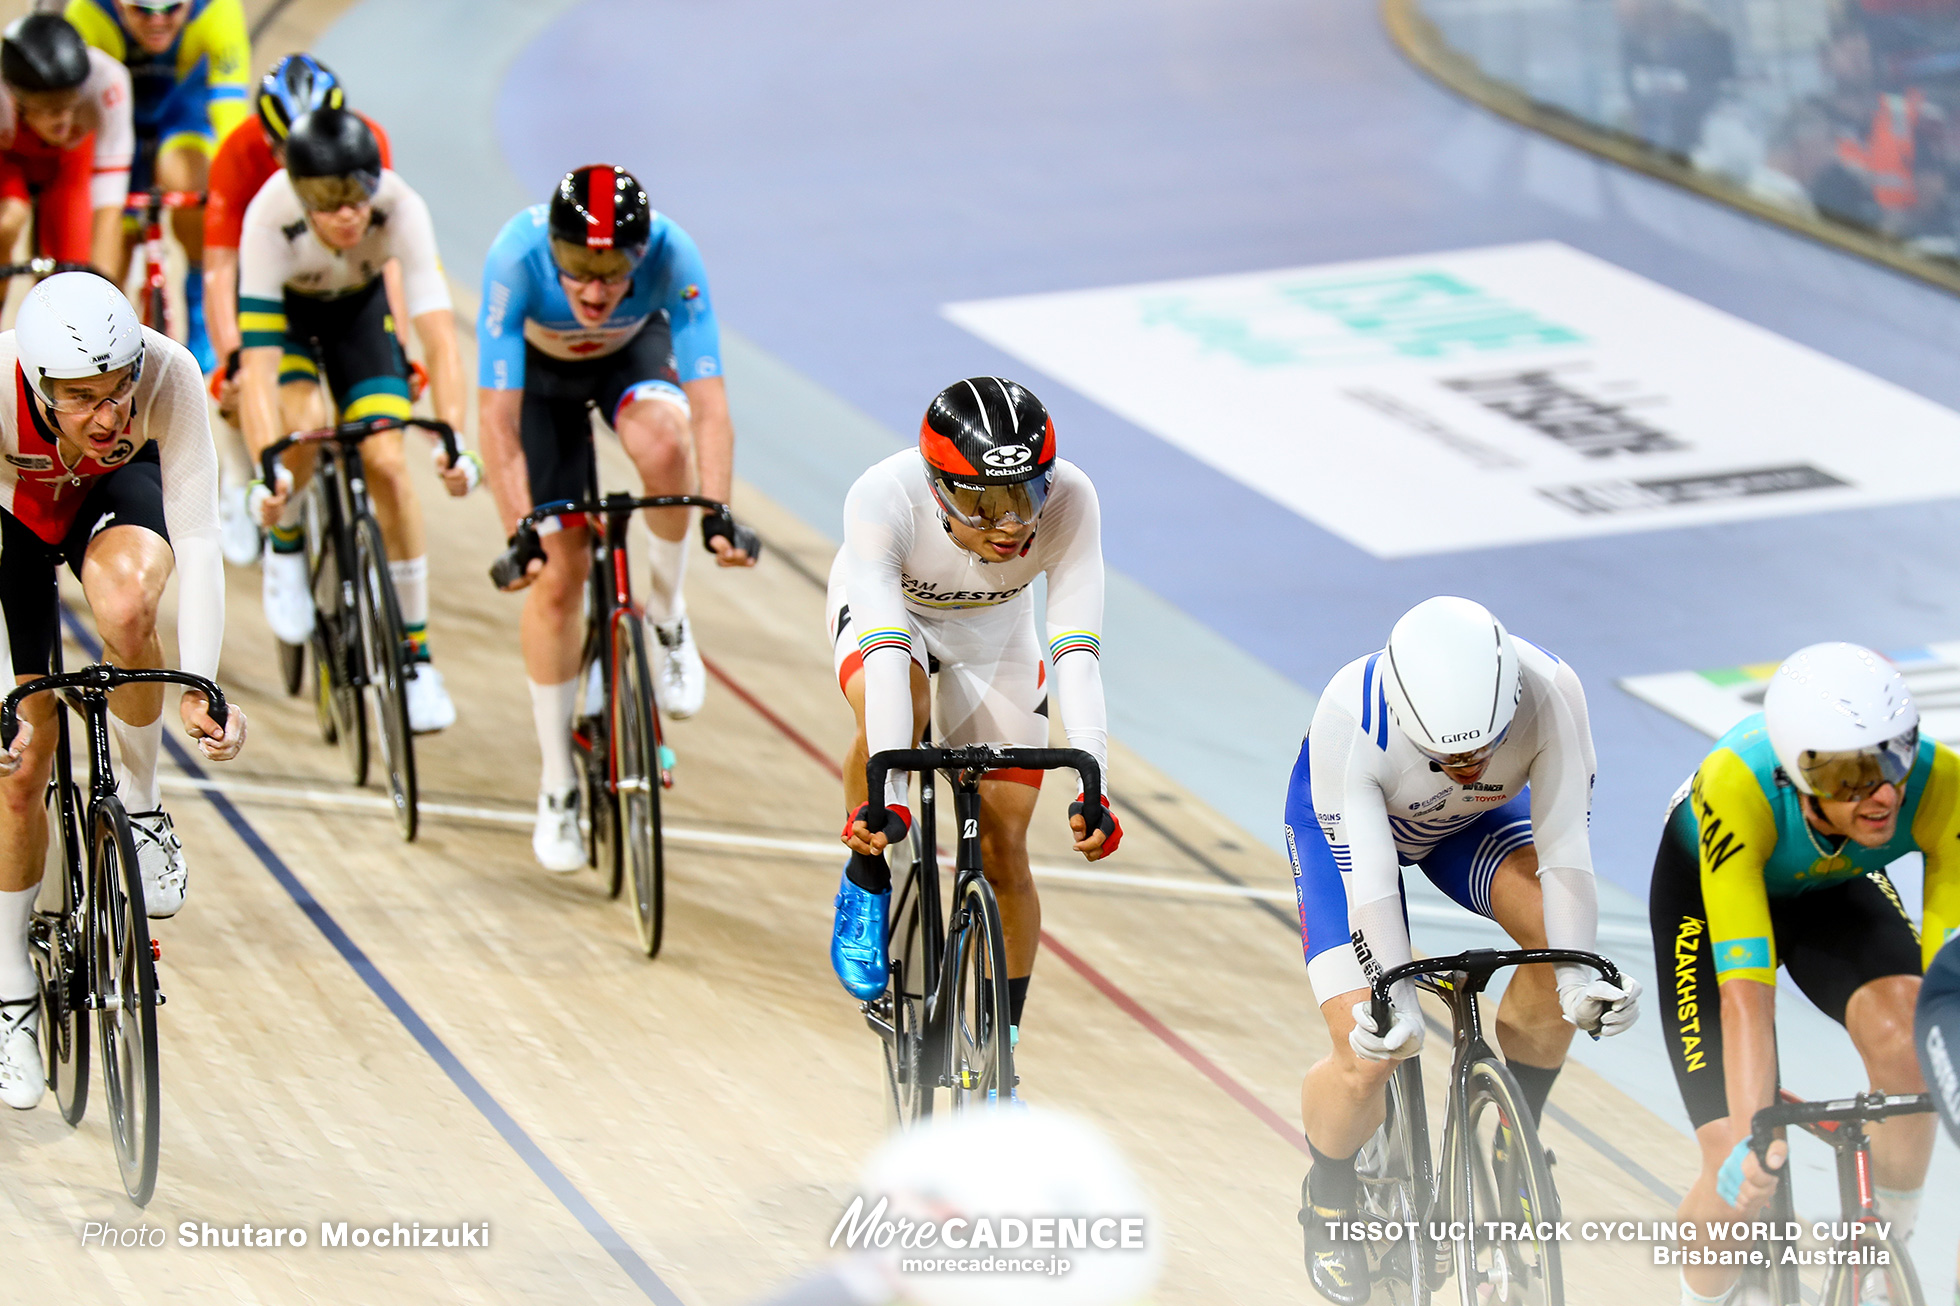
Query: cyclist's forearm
[[438, 334], [497, 440], [221, 299], [106, 240], [259, 398], [1571, 897], [1748, 1050], [714, 436]]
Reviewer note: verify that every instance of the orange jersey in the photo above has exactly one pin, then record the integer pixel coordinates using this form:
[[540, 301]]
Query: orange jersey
[[243, 164]]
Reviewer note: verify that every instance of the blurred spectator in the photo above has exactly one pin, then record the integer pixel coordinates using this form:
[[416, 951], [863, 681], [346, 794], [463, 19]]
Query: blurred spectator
[[1676, 61], [1803, 173], [1002, 1168]]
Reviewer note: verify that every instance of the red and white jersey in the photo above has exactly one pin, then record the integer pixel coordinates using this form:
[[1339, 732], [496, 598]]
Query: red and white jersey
[[108, 111], [43, 490]]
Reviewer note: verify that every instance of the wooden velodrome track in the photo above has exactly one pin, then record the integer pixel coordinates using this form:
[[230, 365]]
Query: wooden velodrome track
[[364, 1030]]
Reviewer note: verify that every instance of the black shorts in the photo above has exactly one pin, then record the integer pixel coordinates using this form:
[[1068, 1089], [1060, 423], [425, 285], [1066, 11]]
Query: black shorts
[[355, 336], [132, 495], [1937, 1030], [556, 427], [1832, 940]]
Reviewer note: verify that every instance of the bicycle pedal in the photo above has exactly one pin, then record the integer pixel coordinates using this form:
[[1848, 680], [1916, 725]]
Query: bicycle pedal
[[156, 949]]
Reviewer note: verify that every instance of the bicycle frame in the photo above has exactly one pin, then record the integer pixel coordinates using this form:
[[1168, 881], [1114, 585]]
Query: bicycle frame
[[147, 208], [964, 767]]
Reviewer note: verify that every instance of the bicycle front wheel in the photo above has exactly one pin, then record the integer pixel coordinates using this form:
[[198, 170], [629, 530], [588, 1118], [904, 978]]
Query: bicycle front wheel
[[1510, 1182], [384, 651], [909, 1081], [981, 1047], [636, 779], [59, 948], [1891, 1281], [123, 980], [1394, 1170]]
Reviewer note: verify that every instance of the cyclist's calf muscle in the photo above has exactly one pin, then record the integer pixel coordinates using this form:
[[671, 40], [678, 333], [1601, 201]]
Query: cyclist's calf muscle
[[23, 815], [550, 632]]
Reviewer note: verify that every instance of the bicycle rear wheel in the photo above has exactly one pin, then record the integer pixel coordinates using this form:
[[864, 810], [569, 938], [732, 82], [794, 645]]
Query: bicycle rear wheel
[[1893, 1283], [1394, 1170], [636, 779], [123, 977], [981, 1050], [57, 945], [385, 653], [1509, 1181], [909, 1081]]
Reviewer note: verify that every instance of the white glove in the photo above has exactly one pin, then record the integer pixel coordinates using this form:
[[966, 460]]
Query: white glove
[[257, 495], [1404, 1038], [1599, 1007], [468, 460]]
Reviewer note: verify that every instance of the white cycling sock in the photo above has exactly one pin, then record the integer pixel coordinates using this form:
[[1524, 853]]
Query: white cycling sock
[[667, 561], [136, 749], [411, 577], [1901, 1208], [551, 709], [1689, 1297], [17, 979]]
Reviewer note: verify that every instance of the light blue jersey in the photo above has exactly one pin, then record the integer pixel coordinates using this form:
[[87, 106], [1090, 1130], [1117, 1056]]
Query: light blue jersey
[[524, 301]]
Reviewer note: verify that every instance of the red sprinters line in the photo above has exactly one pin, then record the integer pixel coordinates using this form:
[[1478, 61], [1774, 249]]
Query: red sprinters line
[[789, 731], [1197, 1060]]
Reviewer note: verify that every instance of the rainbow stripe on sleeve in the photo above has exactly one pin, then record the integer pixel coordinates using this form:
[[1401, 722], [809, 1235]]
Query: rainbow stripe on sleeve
[[1069, 641], [897, 637]]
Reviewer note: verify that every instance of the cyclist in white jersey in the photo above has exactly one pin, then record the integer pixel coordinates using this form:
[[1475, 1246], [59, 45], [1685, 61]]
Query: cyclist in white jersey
[[315, 242], [107, 464], [942, 545], [1465, 752]]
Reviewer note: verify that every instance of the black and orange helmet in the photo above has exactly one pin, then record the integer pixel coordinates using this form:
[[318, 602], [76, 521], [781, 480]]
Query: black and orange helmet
[[989, 448]]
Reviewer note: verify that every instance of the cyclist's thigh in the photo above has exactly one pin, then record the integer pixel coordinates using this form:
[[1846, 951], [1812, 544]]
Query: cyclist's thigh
[[640, 370], [1837, 939], [365, 366], [556, 435], [130, 497], [1325, 935], [1465, 861], [27, 596], [1691, 1010], [64, 223], [1937, 1027], [992, 680]]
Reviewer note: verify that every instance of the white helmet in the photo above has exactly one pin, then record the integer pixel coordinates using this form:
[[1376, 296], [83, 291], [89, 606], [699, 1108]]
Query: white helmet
[[1451, 676], [1841, 721], [1017, 1164], [76, 324]]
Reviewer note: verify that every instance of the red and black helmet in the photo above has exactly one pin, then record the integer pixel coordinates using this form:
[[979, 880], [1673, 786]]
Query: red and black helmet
[[602, 210], [989, 448]]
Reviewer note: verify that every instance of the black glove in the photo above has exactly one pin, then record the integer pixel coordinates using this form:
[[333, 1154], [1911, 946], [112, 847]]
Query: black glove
[[723, 523], [231, 365], [514, 561]]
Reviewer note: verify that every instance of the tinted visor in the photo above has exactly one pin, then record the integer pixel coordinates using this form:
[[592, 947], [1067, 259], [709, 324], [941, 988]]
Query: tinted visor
[[1851, 777], [582, 263], [331, 194], [1466, 761], [991, 507]]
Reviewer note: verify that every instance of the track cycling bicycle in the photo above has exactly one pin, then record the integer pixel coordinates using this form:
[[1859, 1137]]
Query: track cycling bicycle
[[90, 935], [361, 651], [146, 207], [1865, 1269], [1493, 1169], [943, 1018], [621, 756]]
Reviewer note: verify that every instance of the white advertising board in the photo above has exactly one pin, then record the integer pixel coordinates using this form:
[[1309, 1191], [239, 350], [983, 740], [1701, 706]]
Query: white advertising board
[[1508, 395], [1712, 701]]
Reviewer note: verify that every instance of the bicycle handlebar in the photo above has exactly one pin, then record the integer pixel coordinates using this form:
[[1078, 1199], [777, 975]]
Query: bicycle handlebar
[[104, 677], [1843, 1110], [41, 267], [976, 757], [609, 504], [1480, 963], [352, 433]]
